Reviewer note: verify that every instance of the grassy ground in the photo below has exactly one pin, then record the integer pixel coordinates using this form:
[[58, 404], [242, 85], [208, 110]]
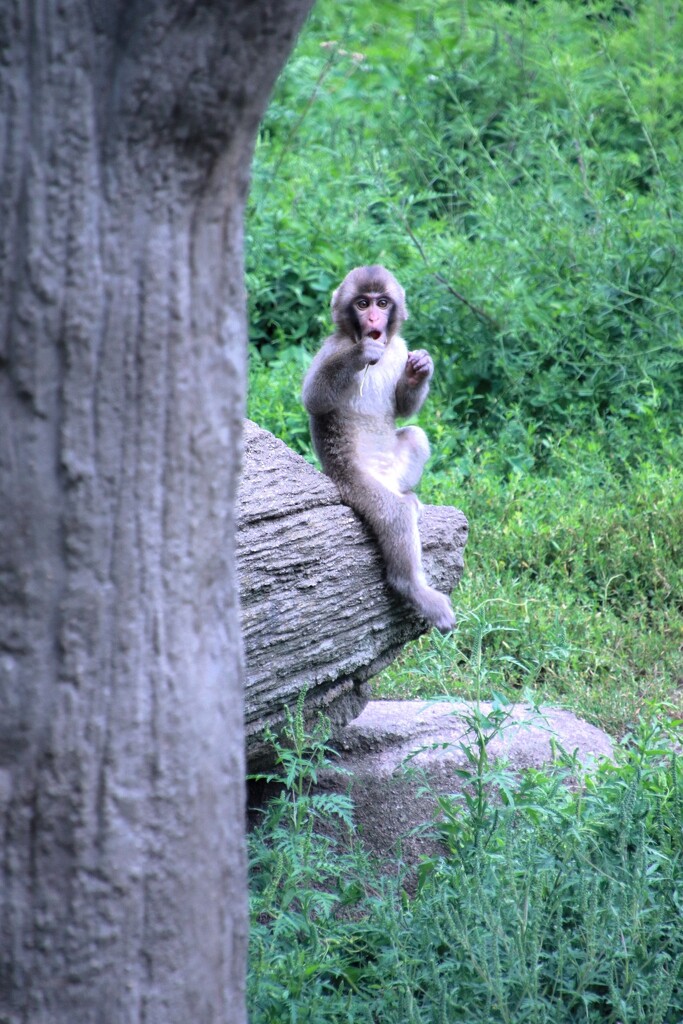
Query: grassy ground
[[573, 585]]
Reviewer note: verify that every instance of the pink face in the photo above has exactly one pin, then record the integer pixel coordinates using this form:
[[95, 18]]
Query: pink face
[[373, 312]]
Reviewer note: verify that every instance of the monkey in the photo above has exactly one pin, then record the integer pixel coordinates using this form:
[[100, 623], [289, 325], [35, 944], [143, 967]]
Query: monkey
[[362, 379]]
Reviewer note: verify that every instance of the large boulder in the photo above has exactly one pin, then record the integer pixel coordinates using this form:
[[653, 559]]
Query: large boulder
[[400, 754], [316, 610]]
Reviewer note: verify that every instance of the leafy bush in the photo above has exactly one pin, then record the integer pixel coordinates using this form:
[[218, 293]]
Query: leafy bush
[[517, 166], [553, 902], [274, 396]]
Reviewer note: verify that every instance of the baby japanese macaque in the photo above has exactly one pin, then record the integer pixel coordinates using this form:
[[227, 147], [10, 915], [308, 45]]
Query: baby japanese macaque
[[360, 381]]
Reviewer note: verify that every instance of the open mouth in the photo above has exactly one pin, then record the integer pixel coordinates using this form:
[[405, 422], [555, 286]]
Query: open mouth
[[375, 335]]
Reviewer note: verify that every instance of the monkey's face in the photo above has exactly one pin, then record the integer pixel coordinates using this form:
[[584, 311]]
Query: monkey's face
[[369, 304], [372, 314]]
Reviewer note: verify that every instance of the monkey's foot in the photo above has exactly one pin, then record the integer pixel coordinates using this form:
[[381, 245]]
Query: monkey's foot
[[436, 609]]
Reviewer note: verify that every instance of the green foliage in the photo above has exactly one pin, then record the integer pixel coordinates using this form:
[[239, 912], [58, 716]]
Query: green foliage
[[274, 396], [519, 167], [304, 872], [546, 920], [574, 570], [557, 900]]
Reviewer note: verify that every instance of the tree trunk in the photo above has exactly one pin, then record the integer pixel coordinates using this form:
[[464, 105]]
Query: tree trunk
[[124, 160]]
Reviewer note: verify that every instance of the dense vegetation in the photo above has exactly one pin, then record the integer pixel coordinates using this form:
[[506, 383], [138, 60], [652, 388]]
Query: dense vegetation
[[519, 167], [561, 903]]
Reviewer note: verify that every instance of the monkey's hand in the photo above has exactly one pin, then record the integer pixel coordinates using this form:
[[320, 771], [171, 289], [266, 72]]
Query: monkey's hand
[[370, 350], [419, 367]]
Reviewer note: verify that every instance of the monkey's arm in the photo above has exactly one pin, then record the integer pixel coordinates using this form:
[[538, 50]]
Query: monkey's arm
[[413, 385], [333, 373]]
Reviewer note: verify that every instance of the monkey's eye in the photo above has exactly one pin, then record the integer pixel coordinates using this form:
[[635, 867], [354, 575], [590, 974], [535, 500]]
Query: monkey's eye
[[362, 303], [383, 303]]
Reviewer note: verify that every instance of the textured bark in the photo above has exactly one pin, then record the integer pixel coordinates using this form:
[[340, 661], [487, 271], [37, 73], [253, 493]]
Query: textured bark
[[125, 142], [316, 610]]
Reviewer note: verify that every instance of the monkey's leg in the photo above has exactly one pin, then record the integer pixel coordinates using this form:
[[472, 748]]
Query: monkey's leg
[[393, 519], [411, 451]]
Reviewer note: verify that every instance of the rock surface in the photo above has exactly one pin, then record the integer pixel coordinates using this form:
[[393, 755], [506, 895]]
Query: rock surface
[[316, 610], [389, 801]]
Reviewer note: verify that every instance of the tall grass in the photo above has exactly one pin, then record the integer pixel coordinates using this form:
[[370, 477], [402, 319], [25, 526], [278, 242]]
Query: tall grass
[[559, 904], [577, 566]]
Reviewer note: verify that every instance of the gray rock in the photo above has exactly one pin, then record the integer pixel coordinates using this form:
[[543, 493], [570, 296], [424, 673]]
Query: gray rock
[[390, 801]]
